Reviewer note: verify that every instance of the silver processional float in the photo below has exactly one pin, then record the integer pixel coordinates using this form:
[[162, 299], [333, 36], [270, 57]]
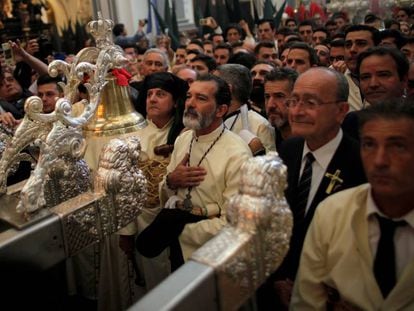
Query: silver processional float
[[62, 207]]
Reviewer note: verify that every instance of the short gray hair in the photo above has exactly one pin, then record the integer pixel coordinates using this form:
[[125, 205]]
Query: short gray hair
[[240, 79], [164, 55]]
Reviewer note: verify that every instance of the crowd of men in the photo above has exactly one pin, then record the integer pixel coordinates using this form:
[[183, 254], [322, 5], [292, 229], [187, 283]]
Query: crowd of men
[[334, 100]]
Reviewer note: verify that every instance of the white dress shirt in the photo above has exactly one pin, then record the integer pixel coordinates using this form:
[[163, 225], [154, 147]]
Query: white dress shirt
[[323, 157], [403, 238]]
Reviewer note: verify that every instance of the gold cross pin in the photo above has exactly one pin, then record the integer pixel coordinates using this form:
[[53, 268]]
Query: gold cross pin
[[334, 179]]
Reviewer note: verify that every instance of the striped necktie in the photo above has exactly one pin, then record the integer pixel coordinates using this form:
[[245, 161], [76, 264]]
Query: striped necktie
[[305, 185]]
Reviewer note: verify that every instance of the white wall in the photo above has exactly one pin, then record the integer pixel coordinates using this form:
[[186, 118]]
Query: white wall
[[129, 12]]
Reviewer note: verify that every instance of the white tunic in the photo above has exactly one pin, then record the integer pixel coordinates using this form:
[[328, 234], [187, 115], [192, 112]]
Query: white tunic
[[222, 164]]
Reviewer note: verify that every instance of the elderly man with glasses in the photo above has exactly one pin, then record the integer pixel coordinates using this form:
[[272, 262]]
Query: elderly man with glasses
[[321, 159]]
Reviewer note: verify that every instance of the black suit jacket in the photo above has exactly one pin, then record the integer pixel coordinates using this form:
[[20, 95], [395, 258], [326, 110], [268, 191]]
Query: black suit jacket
[[346, 159], [350, 125]]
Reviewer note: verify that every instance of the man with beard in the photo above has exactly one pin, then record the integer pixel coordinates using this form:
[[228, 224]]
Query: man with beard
[[258, 72], [202, 176], [277, 89]]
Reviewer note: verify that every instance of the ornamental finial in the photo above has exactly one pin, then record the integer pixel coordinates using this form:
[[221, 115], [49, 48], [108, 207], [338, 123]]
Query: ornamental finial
[[101, 30]]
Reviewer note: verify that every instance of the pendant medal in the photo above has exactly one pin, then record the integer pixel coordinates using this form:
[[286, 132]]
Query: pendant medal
[[187, 204]]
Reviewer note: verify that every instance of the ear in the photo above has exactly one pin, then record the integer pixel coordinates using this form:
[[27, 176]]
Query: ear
[[221, 111], [343, 110]]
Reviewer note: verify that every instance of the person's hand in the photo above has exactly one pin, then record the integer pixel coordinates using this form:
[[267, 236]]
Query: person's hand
[[185, 176], [19, 53], [142, 23], [245, 26], [8, 120], [32, 46], [168, 43], [339, 66], [211, 22]]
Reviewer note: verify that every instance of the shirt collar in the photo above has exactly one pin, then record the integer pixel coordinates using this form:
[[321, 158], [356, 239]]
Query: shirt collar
[[323, 155], [164, 127], [210, 136], [373, 209]]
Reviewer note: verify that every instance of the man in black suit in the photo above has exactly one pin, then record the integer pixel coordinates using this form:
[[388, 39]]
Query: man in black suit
[[321, 160]]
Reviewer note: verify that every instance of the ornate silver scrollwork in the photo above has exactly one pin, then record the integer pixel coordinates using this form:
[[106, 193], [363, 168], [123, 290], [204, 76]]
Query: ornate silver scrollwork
[[65, 139], [123, 182], [256, 239], [118, 198], [61, 179], [34, 126]]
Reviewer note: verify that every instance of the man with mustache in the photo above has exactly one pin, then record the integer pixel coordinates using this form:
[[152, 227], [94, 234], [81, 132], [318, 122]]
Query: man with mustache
[[321, 160], [278, 86], [366, 233], [259, 70], [201, 177]]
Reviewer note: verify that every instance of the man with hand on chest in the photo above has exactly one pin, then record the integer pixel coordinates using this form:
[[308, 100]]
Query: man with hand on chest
[[202, 175]]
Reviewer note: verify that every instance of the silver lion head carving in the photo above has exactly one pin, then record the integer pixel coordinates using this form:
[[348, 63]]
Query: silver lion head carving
[[256, 239]]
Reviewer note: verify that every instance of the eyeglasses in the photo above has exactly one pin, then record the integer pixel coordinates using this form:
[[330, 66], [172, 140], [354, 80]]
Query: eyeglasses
[[307, 104], [336, 58]]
